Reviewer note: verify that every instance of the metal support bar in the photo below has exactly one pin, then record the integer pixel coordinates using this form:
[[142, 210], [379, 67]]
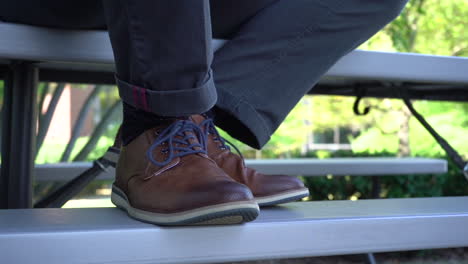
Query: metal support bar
[[371, 258], [18, 137], [376, 187], [59, 197], [451, 152]]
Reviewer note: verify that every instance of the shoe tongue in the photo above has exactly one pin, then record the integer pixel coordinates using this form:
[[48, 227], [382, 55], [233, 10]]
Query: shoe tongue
[[197, 119], [179, 139], [215, 146], [215, 143], [191, 140]]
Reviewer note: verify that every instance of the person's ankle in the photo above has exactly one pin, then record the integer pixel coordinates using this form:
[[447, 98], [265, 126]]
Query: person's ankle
[[136, 121], [209, 114]]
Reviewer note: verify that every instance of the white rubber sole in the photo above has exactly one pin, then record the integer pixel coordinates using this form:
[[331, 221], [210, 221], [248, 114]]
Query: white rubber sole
[[227, 213], [283, 197]]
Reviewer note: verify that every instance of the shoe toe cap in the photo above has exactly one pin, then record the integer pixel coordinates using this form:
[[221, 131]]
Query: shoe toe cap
[[274, 184], [229, 191]]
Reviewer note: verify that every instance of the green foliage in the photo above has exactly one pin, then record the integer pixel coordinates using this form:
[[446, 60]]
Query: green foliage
[[52, 151], [108, 96], [290, 136], [404, 29], [426, 26], [367, 141], [449, 119], [373, 133], [452, 183], [442, 28], [1, 92], [107, 120]]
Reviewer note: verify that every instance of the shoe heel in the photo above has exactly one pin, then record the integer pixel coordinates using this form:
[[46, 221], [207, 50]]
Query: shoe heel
[[119, 199]]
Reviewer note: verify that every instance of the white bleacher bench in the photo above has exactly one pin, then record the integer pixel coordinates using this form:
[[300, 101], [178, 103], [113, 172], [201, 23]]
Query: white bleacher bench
[[91, 51], [293, 230], [108, 235], [302, 167]]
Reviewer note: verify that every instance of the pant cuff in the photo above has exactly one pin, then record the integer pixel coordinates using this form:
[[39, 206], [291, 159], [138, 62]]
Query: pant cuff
[[170, 103], [242, 122]]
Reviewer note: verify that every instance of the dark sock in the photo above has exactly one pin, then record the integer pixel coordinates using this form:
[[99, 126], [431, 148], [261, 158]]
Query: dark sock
[[136, 121], [209, 114]]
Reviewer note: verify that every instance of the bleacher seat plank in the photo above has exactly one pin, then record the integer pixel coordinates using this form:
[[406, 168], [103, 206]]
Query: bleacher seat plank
[[58, 45], [93, 47], [350, 166], [305, 167], [107, 235]]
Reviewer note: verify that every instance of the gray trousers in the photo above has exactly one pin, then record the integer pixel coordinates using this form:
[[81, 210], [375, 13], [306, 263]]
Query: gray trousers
[[277, 51]]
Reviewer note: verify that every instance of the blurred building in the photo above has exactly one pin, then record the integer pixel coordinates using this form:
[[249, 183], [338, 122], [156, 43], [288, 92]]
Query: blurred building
[[68, 108]]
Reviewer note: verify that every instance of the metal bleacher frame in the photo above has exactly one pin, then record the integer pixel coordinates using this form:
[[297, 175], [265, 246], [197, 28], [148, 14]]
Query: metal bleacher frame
[[293, 230]]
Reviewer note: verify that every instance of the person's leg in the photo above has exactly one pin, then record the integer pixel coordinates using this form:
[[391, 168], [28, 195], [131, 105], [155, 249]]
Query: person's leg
[[228, 17], [165, 48], [163, 57], [279, 55], [162, 51], [85, 14]]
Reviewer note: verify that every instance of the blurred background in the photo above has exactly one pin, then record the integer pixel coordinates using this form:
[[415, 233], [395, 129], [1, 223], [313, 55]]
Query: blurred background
[[78, 123]]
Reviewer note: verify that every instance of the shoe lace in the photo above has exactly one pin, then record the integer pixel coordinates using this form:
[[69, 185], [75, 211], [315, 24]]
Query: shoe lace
[[209, 127], [178, 141]]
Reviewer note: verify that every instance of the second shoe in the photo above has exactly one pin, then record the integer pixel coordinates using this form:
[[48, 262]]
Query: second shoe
[[267, 189]]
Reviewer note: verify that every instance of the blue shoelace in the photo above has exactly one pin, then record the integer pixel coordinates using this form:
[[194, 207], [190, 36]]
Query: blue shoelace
[[209, 128], [178, 141]]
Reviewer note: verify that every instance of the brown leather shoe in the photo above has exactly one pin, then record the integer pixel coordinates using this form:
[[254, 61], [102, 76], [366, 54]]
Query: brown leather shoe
[[267, 189], [165, 177]]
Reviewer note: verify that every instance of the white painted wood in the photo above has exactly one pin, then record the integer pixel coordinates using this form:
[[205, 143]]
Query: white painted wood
[[373, 65], [107, 235], [303, 167], [84, 47], [48, 44], [350, 166]]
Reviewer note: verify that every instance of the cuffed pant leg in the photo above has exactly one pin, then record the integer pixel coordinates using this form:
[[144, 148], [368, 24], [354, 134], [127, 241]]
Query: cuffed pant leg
[[163, 54], [281, 53]]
